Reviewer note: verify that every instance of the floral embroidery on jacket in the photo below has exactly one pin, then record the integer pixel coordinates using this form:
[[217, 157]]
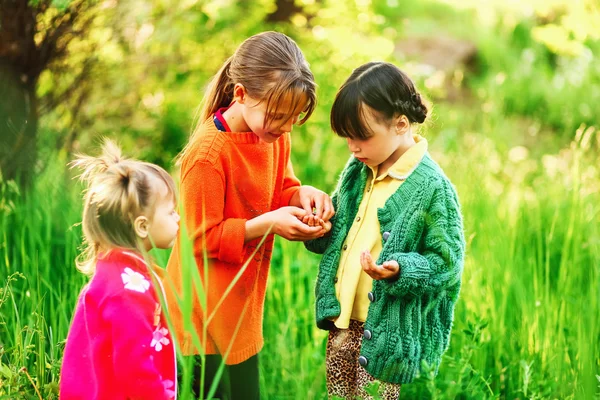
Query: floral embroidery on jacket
[[159, 338], [135, 281], [169, 387]]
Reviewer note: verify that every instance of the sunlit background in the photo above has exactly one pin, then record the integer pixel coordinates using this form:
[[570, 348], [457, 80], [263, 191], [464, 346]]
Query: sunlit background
[[515, 90]]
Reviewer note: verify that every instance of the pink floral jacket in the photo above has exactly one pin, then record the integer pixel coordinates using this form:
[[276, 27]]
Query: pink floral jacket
[[119, 346]]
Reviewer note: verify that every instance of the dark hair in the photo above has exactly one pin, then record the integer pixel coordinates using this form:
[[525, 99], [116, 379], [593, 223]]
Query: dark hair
[[384, 88], [270, 66]]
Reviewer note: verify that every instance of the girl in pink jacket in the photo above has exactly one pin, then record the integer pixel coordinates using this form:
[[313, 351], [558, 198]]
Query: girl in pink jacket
[[119, 346]]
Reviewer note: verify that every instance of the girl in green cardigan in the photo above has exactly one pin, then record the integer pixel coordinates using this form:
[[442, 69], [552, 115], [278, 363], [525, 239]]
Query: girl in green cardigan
[[391, 269]]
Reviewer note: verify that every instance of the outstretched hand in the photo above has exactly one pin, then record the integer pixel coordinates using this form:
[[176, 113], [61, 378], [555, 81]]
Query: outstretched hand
[[387, 270]]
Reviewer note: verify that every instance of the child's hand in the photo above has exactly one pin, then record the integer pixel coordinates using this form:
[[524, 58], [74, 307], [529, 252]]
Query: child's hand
[[311, 198], [389, 269], [312, 220], [288, 223]]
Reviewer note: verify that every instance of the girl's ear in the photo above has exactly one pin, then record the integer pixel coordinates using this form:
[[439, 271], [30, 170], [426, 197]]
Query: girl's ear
[[402, 124], [239, 93], [141, 226]]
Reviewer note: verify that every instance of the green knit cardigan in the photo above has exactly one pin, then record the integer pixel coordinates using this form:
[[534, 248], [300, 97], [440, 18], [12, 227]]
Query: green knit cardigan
[[410, 317]]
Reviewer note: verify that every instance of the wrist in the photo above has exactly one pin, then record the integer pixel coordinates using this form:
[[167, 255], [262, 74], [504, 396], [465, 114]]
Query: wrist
[[295, 199], [259, 226]]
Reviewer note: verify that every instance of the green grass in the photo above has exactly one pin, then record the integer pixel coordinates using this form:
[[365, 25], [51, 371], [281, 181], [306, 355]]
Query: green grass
[[526, 326]]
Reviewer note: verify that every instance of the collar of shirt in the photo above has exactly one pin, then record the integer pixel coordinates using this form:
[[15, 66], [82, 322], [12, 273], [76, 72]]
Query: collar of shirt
[[407, 162]]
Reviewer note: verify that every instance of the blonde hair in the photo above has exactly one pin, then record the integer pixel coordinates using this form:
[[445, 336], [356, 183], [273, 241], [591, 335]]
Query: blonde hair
[[118, 191], [270, 66]]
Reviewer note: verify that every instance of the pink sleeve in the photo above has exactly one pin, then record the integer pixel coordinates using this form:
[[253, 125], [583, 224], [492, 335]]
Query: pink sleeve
[[291, 184], [131, 315]]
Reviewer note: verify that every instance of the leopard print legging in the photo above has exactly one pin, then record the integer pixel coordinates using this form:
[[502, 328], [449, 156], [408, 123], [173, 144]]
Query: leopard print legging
[[345, 377]]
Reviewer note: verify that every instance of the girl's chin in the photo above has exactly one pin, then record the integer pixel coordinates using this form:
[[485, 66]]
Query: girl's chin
[[270, 137]]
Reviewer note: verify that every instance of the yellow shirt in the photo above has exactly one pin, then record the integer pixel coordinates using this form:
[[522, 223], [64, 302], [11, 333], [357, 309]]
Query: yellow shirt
[[352, 283]]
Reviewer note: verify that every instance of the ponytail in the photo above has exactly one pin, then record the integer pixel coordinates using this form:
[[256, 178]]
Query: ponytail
[[118, 190], [219, 93]]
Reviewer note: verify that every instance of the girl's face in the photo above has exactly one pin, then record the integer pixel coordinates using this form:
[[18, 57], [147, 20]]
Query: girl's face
[[383, 144], [164, 225], [254, 113]]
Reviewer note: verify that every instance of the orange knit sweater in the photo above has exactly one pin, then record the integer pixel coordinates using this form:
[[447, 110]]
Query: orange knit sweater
[[227, 178]]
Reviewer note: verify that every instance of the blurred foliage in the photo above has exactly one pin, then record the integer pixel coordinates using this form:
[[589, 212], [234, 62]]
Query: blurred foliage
[[153, 60]]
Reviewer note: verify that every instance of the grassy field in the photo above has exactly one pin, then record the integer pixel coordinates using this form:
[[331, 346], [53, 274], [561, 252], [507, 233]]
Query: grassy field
[[527, 324]]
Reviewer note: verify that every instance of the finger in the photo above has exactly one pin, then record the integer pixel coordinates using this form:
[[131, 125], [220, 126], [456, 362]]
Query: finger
[[304, 229], [325, 210], [369, 259], [389, 265], [297, 212], [318, 205], [306, 203], [393, 266], [328, 209], [305, 237], [363, 262]]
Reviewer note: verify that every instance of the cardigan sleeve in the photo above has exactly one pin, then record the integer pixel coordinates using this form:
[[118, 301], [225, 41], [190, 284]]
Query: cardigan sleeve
[[129, 315], [202, 192], [440, 263]]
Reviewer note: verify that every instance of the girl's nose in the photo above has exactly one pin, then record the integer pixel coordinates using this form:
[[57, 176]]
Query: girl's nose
[[287, 127], [352, 145]]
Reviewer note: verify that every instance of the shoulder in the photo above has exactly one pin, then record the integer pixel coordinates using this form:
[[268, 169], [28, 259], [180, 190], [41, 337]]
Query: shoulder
[[430, 173], [444, 194], [443, 183], [122, 272], [206, 145]]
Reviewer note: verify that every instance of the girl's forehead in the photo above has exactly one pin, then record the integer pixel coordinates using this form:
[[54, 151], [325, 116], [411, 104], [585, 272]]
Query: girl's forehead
[[161, 190], [293, 102]]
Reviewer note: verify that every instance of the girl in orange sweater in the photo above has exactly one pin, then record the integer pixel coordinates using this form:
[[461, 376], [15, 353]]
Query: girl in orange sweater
[[238, 188]]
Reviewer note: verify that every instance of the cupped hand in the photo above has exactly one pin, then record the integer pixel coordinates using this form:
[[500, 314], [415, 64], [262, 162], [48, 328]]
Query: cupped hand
[[288, 223], [389, 269], [311, 198]]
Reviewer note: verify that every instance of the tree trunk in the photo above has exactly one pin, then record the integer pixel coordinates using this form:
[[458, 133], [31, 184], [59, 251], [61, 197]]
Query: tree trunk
[[18, 124], [285, 10]]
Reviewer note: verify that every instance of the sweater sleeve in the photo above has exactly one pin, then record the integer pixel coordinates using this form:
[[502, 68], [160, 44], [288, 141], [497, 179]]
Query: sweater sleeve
[[291, 184], [203, 199], [440, 264], [130, 315]]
